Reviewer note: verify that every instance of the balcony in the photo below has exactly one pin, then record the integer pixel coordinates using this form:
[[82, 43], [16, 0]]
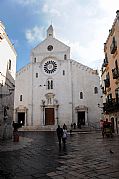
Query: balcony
[[115, 73], [111, 105], [113, 47], [107, 82]]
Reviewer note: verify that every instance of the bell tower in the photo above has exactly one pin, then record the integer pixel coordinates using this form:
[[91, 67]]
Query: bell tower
[[50, 31]]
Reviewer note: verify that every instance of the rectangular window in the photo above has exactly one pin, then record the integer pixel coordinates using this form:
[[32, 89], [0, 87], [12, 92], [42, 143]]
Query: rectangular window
[[63, 72]]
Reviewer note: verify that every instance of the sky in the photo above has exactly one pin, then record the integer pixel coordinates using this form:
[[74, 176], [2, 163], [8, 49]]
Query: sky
[[81, 24]]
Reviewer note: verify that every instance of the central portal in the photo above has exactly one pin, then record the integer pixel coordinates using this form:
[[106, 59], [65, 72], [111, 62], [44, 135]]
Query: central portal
[[49, 116]]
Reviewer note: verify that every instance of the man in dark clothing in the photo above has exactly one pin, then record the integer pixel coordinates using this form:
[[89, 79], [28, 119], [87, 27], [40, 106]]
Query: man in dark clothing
[[59, 134]]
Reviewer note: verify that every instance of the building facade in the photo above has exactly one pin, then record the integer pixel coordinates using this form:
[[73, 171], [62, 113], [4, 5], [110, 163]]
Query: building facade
[[7, 82], [54, 89], [110, 75]]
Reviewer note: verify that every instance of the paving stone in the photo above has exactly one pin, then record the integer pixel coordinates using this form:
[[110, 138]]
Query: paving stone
[[59, 172], [87, 157], [74, 173], [58, 177], [51, 174]]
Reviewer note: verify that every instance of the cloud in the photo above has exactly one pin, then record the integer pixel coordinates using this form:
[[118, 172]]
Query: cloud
[[52, 11], [35, 34], [84, 25]]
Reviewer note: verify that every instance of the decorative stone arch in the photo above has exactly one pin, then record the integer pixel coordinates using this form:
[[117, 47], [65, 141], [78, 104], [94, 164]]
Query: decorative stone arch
[[50, 102]]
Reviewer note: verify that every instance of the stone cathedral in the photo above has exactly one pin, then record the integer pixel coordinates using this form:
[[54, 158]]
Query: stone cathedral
[[54, 89]]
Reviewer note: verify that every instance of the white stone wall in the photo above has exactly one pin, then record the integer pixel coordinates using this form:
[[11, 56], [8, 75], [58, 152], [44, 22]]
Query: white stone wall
[[7, 52], [7, 81], [85, 80], [59, 50]]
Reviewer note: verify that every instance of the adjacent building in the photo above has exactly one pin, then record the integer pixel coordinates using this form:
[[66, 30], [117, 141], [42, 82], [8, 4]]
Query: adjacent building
[[110, 75], [7, 82], [54, 89]]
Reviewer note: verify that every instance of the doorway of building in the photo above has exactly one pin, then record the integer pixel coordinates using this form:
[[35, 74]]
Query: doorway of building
[[117, 125], [49, 116], [21, 118], [112, 121], [81, 118]]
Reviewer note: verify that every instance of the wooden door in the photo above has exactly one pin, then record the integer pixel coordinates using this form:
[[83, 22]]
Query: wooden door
[[49, 116]]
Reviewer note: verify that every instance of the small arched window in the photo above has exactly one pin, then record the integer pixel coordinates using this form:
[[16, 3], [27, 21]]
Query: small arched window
[[9, 65], [35, 60], [65, 57], [81, 95], [20, 97], [36, 75], [49, 84], [95, 90]]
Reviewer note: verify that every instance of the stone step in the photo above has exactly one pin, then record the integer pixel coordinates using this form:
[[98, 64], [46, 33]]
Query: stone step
[[38, 128], [53, 128]]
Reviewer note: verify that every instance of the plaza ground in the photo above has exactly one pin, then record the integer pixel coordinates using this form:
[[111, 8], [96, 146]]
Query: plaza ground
[[37, 156]]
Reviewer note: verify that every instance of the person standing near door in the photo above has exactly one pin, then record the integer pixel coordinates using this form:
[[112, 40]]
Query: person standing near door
[[59, 134]]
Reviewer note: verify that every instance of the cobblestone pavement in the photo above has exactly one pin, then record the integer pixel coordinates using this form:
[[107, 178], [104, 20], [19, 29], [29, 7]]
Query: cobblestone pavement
[[86, 156]]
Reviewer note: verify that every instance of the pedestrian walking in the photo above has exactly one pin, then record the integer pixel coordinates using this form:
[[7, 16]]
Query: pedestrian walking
[[64, 126], [74, 125], [64, 137], [102, 127], [59, 134]]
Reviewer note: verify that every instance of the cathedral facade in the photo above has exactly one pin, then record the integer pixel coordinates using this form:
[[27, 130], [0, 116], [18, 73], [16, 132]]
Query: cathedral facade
[[54, 89]]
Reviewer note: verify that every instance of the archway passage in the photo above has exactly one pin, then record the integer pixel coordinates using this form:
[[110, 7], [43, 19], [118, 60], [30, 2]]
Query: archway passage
[[81, 118], [49, 116]]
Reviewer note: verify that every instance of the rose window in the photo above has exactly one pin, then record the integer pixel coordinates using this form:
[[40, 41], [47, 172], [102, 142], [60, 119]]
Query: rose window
[[50, 66]]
